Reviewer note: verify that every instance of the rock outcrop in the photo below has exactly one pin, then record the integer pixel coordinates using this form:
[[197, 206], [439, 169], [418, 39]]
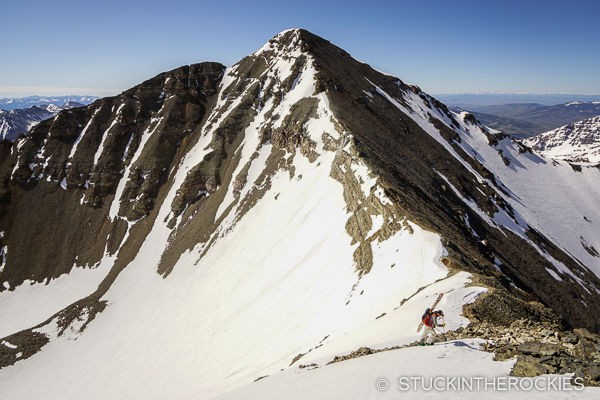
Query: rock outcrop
[[60, 184]]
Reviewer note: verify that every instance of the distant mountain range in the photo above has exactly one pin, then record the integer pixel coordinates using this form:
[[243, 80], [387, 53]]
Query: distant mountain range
[[26, 102], [472, 100], [523, 120], [19, 121]]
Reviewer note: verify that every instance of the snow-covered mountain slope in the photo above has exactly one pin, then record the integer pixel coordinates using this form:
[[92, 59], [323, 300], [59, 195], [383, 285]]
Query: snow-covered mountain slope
[[20, 121], [529, 191], [210, 225], [451, 370], [578, 142], [13, 103]]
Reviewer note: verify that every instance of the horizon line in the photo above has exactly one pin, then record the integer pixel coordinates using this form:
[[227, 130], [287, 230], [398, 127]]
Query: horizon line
[[519, 93], [28, 91]]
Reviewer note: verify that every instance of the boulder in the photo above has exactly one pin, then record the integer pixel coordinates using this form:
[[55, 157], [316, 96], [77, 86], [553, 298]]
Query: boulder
[[530, 369], [584, 334], [530, 348], [584, 350], [571, 338], [593, 373], [548, 349], [546, 332]]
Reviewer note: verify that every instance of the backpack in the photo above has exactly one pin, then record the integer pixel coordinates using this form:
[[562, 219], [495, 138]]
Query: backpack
[[427, 318]]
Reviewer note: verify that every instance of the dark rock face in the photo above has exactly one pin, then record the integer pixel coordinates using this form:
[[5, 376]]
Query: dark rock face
[[87, 151], [21, 346]]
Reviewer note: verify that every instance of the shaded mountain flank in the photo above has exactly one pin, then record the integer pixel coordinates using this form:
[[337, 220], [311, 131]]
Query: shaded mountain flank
[[89, 183]]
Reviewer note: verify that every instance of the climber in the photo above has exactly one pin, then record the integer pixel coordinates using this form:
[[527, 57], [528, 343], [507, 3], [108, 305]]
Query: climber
[[430, 322]]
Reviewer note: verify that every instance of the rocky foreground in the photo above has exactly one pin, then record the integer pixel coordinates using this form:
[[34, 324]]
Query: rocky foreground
[[539, 348]]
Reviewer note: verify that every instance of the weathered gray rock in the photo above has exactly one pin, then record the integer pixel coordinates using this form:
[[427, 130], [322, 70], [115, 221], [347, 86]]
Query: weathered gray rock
[[530, 348], [584, 350], [530, 369], [593, 373], [571, 338], [585, 334], [546, 332], [548, 349]]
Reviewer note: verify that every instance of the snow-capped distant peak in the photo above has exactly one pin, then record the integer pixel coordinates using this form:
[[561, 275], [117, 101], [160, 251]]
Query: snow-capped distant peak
[[574, 103], [15, 103], [578, 142], [49, 107], [20, 121]]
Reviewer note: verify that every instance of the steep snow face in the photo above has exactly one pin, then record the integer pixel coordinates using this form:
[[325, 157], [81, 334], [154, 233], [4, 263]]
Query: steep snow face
[[578, 142], [300, 223], [269, 238], [529, 185]]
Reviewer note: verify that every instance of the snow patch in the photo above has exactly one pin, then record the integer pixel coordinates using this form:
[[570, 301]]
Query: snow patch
[[10, 346], [32, 303]]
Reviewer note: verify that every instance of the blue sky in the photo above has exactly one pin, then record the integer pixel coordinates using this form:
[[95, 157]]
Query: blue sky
[[104, 47]]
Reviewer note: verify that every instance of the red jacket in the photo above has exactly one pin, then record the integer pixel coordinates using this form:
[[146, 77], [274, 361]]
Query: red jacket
[[429, 319]]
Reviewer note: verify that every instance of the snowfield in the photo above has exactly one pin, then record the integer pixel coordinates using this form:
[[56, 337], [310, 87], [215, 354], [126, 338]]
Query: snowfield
[[451, 370], [31, 304]]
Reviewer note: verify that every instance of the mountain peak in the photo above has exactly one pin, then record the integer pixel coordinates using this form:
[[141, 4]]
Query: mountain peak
[[244, 216], [291, 41], [576, 142]]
